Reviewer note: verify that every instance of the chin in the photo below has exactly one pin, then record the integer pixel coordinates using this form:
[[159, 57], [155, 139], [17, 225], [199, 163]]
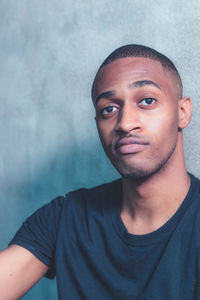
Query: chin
[[142, 173], [139, 175]]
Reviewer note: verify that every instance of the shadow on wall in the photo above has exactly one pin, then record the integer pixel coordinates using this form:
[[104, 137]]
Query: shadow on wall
[[72, 167], [82, 164]]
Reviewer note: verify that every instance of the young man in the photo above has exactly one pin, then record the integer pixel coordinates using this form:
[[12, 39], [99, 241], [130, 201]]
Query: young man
[[134, 238]]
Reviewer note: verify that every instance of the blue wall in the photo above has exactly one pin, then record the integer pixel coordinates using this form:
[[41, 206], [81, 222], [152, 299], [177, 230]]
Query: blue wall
[[49, 53]]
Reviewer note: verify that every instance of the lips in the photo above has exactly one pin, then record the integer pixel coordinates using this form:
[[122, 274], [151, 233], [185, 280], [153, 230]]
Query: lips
[[130, 145]]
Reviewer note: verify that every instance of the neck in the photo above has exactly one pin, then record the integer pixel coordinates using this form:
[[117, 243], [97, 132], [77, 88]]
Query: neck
[[148, 204]]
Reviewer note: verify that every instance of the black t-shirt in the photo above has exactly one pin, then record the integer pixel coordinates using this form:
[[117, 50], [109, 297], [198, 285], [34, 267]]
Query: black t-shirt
[[83, 241]]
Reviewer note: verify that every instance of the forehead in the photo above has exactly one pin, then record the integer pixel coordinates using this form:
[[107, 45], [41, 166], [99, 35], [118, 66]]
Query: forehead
[[124, 71]]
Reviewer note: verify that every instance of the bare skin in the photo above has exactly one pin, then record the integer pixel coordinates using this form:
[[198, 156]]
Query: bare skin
[[140, 119], [19, 271]]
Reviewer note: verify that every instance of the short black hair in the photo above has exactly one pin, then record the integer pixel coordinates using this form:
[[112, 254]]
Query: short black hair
[[135, 50]]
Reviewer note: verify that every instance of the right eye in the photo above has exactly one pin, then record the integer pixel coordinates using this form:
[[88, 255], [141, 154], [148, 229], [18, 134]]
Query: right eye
[[108, 110]]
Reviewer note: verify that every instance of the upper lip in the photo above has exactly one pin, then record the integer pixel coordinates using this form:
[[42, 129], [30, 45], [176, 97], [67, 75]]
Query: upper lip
[[130, 140]]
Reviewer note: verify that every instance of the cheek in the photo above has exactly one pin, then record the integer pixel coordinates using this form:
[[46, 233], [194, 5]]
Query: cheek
[[164, 128], [104, 132]]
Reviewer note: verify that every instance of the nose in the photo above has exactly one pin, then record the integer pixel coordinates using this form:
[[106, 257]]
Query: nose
[[128, 120]]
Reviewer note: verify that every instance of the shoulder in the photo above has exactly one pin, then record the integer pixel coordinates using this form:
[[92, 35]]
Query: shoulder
[[93, 192], [74, 200], [95, 197], [84, 208], [195, 185]]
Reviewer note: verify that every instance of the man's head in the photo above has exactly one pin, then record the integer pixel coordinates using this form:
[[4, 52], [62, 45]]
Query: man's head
[[140, 113], [134, 50]]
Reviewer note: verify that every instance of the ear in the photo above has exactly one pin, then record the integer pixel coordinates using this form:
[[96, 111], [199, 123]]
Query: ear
[[184, 112]]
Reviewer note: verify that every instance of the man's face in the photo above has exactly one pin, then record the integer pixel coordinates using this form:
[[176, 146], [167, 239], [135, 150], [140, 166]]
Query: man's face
[[137, 115]]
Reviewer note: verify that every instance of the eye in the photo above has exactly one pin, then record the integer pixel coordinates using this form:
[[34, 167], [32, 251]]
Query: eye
[[108, 110], [147, 101]]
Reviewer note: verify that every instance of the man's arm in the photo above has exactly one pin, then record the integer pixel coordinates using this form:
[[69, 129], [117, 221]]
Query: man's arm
[[19, 271]]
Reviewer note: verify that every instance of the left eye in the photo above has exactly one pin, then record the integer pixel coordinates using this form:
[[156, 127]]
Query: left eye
[[109, 109], [147, 101]]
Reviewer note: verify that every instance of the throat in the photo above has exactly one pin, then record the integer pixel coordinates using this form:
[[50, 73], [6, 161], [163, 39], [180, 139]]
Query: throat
[[142, 226], [147, 208]]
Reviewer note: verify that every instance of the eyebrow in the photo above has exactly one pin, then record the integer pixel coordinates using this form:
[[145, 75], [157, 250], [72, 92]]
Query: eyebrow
[[107, 94], [141, 83], [135, 84]]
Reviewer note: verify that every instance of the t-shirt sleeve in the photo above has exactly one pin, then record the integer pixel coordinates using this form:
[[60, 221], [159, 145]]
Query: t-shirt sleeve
[[38, 233]]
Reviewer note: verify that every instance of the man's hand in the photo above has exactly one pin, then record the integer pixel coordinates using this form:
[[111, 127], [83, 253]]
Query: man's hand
[[19, 271]]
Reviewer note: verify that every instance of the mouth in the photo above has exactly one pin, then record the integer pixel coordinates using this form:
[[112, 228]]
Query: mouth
[[130, 145]]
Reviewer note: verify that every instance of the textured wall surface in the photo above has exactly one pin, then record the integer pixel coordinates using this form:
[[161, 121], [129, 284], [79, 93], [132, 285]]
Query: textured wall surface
[[49, 53]]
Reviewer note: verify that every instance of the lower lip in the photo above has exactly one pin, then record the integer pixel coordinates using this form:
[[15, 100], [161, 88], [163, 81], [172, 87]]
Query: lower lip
[[130, 148]]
